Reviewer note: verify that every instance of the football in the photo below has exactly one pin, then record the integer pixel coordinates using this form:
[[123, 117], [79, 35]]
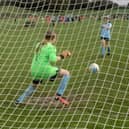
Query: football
[[94, 68]]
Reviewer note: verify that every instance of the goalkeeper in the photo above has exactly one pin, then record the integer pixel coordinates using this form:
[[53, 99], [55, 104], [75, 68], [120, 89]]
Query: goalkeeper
[[42, 68], [105, 35]]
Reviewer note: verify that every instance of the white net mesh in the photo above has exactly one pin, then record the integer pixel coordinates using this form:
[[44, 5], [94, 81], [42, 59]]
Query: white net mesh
[[97, 101]]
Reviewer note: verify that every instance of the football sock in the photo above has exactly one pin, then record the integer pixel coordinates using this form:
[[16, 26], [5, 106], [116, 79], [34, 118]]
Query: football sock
[[109, 50], [63, 84], [103, 51], [26, 93]]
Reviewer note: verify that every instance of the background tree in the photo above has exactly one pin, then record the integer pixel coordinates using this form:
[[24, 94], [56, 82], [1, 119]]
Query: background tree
[[60, 5]]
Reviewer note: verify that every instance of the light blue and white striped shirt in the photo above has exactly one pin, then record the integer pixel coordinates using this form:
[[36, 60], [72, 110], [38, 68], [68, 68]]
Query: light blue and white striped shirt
[[106, 30]]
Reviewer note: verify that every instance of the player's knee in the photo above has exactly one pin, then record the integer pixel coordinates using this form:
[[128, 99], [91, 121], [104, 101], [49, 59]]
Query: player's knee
[[103, 43], [67, 73], [64, 72]]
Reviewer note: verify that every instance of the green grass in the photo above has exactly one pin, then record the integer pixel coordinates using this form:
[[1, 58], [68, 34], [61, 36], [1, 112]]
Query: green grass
[[98, 101]]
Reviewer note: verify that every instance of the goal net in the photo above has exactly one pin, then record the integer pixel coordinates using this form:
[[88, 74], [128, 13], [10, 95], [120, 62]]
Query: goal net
[[97, 100]]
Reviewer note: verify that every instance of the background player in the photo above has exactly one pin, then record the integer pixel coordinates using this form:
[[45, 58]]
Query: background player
[[106, 35], [42, 68]]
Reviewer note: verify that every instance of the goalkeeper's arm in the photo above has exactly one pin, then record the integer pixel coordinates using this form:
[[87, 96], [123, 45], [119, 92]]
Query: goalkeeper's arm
[[63, 55]]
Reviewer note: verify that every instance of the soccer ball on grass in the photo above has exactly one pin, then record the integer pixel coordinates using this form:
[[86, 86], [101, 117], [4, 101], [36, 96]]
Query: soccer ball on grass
[[94, 68]]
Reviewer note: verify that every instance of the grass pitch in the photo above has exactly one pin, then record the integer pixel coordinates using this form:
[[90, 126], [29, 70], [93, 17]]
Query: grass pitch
[[98, 101]]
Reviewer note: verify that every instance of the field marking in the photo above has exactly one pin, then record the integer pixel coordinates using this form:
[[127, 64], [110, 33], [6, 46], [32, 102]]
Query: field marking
[[43, 102]]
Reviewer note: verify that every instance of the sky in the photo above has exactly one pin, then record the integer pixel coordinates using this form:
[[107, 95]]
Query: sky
[[121, 2]]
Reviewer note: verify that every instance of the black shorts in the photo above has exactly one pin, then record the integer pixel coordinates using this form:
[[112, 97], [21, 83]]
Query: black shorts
[[106, 39], [52, 78]]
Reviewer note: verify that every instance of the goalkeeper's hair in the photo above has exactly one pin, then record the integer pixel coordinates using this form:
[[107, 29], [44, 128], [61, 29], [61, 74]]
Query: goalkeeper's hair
[[49, 36]]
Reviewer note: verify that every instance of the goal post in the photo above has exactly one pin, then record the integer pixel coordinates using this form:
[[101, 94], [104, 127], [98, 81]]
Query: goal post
[[98, 100]]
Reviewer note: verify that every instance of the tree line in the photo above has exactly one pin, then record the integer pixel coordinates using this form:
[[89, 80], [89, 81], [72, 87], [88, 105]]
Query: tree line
[[60, 5]]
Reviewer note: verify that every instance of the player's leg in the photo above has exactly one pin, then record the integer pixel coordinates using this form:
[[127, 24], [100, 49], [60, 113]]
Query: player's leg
[[64, 81], [63, 85], [31, 88], [108, 47], [103, 49]]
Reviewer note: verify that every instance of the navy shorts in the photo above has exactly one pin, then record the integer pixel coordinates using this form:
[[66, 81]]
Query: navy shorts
[[52, 78], [106, 39]]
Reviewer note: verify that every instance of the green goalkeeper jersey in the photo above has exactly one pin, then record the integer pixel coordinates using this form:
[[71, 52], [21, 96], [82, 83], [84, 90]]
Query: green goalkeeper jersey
[[41, 67]]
